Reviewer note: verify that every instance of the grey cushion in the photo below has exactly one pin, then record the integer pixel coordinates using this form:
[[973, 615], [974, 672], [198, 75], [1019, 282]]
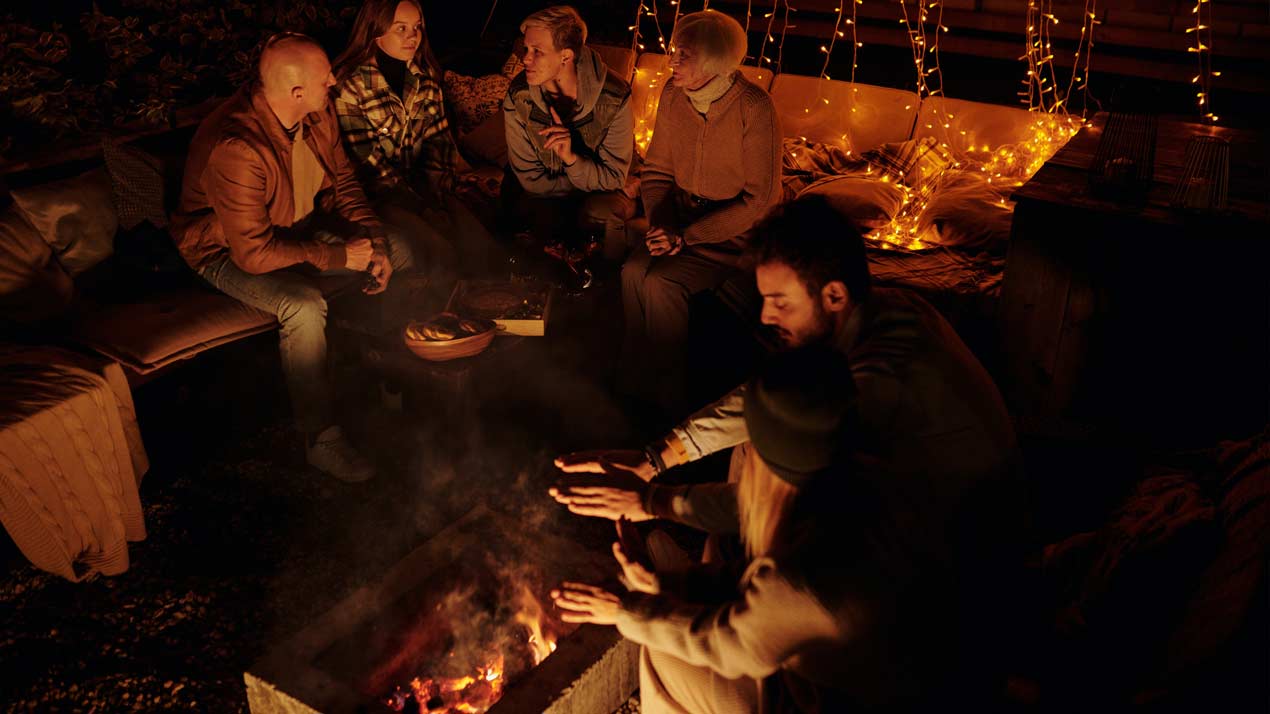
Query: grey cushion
[[75, 216]]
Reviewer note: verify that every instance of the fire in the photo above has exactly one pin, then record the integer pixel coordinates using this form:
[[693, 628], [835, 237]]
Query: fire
[[476, 692], [529, 613]]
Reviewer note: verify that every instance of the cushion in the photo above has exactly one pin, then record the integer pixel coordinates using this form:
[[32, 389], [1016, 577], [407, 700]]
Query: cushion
[[866, 201], [76, 216], [619, 60], [166, 327], [970, 127], [33, 285], [857, 117], [473, 99], [487, 142], [651, 76], [137, 180], [915, 162], [759, 76], [805, 162], [965, 211]]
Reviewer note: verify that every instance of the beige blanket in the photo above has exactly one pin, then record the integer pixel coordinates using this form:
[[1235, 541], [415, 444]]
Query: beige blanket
[[71, 459]]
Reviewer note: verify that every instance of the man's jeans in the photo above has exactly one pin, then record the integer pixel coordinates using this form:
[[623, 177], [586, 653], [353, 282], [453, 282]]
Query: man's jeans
[[295, 299]]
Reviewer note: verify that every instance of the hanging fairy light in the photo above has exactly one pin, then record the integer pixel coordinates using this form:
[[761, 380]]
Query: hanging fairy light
[[636, 45], [1002, 167], [1085, 48], [763, 59], [1203, 30], [780, 48], [833, 39], [921, 44]]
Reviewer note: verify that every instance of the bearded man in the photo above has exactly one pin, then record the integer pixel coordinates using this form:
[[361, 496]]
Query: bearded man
[[927, 406]]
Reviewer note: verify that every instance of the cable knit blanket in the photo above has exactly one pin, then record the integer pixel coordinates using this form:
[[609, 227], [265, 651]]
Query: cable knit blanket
[[71, 459]]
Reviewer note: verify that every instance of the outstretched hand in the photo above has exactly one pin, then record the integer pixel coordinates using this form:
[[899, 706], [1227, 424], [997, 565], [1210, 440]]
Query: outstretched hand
[[607, 461], [613, 503], [634, 576], [580, 602]]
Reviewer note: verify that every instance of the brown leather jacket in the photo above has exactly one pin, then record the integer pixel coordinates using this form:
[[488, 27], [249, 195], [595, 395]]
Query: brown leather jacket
[[237, 189]]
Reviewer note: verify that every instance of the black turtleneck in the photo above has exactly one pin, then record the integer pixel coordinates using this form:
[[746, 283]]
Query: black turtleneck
[[394, 70]]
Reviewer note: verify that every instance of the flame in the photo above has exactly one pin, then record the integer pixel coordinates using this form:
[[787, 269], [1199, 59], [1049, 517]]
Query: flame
[[529, 613], [476, 692]]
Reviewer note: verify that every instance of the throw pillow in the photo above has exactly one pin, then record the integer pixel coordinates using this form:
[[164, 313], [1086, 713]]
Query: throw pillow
[[869, 203], [137, 179], [473, 99], [915, 162], [487, 142], [33, 286], [966, 212], [75, 216], [805, 162]]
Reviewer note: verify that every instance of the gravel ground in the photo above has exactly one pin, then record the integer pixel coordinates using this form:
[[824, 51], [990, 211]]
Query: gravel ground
[[246, 543]]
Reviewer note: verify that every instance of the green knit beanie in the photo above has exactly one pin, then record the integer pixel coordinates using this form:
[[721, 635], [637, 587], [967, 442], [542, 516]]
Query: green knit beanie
[[797, 412]]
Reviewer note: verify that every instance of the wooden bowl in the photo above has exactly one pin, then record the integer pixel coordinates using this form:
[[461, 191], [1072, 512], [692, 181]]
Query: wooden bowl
[[445, 350]]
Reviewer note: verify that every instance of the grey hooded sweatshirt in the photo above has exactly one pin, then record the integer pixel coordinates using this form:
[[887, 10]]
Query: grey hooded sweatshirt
[[602, 129]]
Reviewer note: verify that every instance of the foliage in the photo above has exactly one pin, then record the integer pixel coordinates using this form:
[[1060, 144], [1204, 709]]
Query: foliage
[[138, 61]]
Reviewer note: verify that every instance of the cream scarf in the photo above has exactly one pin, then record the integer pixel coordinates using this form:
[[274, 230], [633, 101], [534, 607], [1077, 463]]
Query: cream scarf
[[705, 96]]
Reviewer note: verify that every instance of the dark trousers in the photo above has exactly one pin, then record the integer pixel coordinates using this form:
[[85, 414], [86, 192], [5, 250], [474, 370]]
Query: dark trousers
[[656, 291], [568, 219]]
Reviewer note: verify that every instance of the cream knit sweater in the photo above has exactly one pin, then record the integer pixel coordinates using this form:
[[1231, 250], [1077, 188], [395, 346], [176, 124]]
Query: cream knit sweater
[[731, 155]]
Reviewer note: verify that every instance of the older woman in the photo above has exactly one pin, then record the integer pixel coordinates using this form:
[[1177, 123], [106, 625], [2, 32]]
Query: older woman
[[388, 97], [712, 171]]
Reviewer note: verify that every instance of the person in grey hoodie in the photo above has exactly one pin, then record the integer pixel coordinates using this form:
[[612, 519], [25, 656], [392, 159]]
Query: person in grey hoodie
[[570, 137]]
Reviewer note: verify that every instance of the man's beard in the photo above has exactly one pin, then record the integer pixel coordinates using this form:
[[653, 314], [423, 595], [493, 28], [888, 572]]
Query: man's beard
[[821, 329]]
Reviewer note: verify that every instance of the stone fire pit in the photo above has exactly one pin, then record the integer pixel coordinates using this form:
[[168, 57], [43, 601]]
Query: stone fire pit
[[441, 610]]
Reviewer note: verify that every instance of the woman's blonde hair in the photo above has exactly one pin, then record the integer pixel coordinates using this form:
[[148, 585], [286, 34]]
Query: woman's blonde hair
[[763, 501], [718, 38], [568, 31]]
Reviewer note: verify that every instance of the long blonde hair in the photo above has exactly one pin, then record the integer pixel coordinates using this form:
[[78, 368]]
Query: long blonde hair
[[763, 501]]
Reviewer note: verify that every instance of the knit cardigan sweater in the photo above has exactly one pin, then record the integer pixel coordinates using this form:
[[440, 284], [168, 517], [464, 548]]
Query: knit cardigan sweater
[[731, 154]]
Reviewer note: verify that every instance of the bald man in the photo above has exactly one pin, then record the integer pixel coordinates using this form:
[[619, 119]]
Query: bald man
[[269, 201]]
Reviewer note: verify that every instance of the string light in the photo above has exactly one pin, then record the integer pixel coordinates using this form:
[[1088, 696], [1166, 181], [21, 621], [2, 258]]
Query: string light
[[780, 49], [636, 45], [1203, 29], [1007, 166], [833, 38], [767, 35]]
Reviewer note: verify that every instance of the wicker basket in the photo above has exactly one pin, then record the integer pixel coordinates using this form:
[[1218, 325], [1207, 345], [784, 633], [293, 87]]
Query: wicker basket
[[445, 350]]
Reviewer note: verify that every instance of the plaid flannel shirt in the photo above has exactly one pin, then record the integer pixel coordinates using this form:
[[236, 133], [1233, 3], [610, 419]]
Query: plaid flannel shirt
[[398, 139]]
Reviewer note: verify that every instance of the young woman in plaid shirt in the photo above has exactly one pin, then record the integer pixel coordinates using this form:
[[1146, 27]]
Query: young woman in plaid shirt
[[391, 112]]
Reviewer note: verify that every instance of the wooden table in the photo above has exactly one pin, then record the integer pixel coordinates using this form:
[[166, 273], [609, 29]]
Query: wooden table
[[1139, 316]]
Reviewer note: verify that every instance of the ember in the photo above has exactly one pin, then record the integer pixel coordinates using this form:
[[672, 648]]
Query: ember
[[476, 692]]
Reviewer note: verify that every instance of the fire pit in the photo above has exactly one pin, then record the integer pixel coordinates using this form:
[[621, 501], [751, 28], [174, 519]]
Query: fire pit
[[461, 624]]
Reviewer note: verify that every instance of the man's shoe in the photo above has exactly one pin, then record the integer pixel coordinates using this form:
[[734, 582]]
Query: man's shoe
[[331, 452]]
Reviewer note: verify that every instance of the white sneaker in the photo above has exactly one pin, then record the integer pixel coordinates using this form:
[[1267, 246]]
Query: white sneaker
[[331, 452]]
